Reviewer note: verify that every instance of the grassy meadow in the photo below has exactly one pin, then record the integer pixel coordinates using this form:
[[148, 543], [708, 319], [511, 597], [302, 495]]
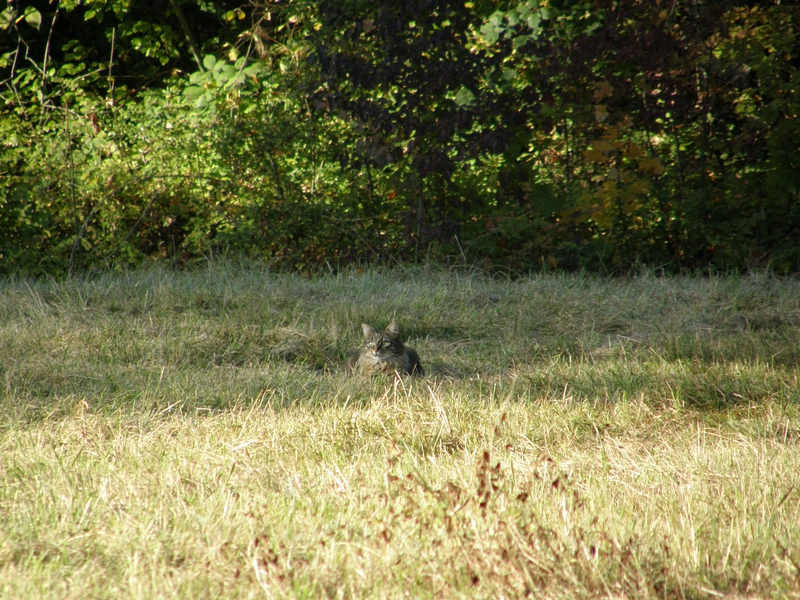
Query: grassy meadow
[[193, 435]]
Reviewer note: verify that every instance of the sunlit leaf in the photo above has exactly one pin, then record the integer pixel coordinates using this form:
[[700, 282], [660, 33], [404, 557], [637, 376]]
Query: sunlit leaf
[[464, 97], [209, 61], [33, 17], [6, 18]]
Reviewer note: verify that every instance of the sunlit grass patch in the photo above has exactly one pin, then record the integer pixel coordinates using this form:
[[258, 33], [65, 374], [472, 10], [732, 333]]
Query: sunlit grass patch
[[193, 435]]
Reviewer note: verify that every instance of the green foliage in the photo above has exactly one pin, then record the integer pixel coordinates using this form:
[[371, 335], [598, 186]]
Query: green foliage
[[536, 135]]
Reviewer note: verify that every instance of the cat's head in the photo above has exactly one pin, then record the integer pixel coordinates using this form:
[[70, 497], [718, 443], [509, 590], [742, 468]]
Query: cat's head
[[384, 343]]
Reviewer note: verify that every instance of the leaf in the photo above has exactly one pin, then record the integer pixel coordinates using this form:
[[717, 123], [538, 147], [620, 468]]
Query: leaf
[[253, 70], [634, 151], [33, 17], [6, 18], [464, 97], [493, 28], [602, 90], [595, 155], [651, 165], [603, 145], [521, 40], [209, 61], [193, 92], [490, 33]]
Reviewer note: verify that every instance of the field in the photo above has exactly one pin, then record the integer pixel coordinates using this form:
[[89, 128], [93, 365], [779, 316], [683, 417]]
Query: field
[[192, 434]]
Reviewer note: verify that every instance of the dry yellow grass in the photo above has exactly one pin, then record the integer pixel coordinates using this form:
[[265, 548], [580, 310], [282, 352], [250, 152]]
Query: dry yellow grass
[[207, 445]]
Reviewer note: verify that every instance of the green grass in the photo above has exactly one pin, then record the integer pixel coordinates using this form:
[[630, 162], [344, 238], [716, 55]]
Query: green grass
[[193, 435]]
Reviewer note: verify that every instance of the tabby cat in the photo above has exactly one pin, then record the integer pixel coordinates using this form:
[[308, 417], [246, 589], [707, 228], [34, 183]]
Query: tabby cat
[[384, 352]]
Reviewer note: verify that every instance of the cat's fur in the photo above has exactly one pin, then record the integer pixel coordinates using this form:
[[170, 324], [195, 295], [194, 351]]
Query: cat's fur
[[384, 352]]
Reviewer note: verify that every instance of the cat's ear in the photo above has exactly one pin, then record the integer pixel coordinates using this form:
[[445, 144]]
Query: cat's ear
[[393, 329], [368, 331]]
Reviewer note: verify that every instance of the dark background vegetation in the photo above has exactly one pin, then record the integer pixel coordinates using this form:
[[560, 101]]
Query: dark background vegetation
[[557, 134]]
